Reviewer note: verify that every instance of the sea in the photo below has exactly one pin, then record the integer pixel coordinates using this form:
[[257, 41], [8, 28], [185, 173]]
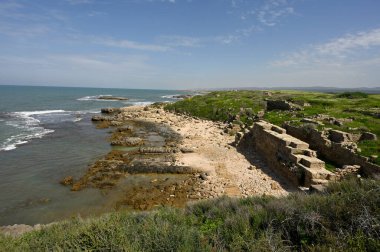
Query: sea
[[46, 134]]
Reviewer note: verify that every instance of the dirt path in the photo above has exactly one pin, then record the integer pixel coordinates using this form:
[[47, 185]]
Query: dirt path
[[207, 148]]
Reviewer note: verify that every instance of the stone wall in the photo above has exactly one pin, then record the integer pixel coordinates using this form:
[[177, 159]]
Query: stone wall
[[288, 155], [331, 147]]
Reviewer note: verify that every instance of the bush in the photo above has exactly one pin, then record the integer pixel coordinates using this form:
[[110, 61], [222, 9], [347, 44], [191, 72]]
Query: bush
[[345, 218], [352, 95]]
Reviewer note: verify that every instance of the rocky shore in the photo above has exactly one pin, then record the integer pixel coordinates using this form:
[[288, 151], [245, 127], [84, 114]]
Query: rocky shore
[[162, 158], [152, 140]]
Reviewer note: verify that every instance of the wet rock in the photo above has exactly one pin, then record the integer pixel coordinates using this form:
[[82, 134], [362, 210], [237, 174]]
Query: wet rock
[[112, 98], [125, 129], [116, 123], [109, 110], [69, 180], [368, 136], [127, 141], [155, 150], [99, 118]]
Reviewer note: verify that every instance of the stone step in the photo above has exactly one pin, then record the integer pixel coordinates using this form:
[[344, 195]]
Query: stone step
[[295, 143], [311, 162]]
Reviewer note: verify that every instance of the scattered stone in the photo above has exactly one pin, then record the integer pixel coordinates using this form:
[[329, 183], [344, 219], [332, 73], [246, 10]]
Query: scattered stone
[[368, 136]]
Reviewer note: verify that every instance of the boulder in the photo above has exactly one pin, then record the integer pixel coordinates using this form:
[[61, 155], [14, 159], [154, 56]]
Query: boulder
[[338, 136], [368, 136]]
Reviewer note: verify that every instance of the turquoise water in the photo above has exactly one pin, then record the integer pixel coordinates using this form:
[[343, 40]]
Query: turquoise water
[[46, 134]]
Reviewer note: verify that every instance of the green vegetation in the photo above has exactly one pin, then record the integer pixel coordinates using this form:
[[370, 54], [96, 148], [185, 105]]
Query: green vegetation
[[345, 218], [352, 95], [359, 111]]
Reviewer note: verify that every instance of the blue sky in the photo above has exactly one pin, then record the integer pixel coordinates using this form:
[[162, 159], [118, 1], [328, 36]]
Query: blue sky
[[181, 44]]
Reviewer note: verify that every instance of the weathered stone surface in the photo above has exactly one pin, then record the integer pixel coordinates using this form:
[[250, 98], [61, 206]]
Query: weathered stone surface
[[368, 136]]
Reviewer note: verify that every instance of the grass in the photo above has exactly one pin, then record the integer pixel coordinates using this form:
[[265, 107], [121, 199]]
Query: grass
[[223, 105], [345, 218]]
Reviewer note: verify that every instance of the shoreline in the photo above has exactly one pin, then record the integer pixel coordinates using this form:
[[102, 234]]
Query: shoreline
[[218, 167]]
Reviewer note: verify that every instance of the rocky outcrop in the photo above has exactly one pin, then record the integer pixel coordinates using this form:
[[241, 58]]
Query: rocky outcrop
[[282, 105], [127, 141], [337, 149], [109, 110], [288, 155], [112, 98]]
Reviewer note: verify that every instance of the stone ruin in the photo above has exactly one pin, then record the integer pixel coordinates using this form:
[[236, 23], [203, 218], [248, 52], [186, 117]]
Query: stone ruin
[[337, 146], [288, 156]]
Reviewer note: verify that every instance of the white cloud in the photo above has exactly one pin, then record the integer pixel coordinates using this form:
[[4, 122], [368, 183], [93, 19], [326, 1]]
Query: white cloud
[[337, 52], [180, 41], [83, 69], [128, 44]]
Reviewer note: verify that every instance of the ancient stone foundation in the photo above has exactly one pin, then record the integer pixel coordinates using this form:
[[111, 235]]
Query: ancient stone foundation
[[288, 156], [334, 146]]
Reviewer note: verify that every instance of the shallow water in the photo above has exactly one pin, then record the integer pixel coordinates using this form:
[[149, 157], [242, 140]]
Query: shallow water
[[46, 134]]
